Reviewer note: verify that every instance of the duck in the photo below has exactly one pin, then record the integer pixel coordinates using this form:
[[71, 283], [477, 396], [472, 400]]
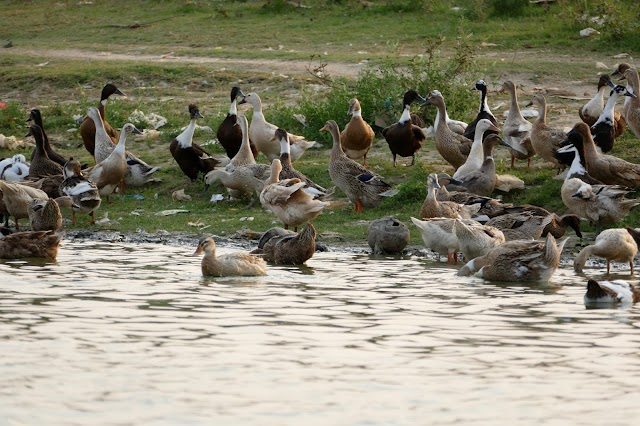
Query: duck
[[229, 134], [577, 168], [108, 173], [44, 215], [484, 113], [431, 207], [616, 291], [608, 169], [437, 235], [610, 124], [618, 244], [404, 137], [17, 199], [490, 207], [83, 192], [30, 244], [619, 71], [289, 172], [545, 140], [454, 148], [361, 186], [590, 111], [632, 103], [519, 260], [261, 133], [456, 126], [139, 173], [35, 116], [476, 157], [14, 169], [520, 226], [288, 200], [41, 164], [357, 135], [291, 249], [88, 128], [516, 130], [482, 181], [476, 239], [228, 265], [593, 201]]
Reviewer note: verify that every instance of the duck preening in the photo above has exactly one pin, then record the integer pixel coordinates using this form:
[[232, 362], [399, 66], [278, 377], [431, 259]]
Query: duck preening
[[292, 249], [83, 192], [231, 264], [611, 292], [361, 186], [88, 128], [190, 156], [431, 207], [404, 137]]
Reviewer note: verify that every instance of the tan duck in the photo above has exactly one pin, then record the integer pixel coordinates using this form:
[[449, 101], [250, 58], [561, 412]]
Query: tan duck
[[521, 226], [261, 133], [431, 207], [617, 244], [108, 173], [44, 215], [17, 199], [362, 187], [83, 192], [228, 265], [289, 172], [545, 139], [476, 239], [454, 148], [590, 112], [357, 135], [36, 118], [518, 261], [30, 244], [41, 164], [516, 130], [607, 169], [229, 134], [437, 235], [611, 292], [476, 154], [483, 180], [610, 124], [88, 128], [288, 200], [405, 137], [631, 107], [291, 249]]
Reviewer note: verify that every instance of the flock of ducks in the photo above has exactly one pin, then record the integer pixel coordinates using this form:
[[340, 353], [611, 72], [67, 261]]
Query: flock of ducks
[[498, 241]]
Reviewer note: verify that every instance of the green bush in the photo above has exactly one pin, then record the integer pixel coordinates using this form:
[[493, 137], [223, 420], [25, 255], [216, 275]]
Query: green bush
[[510, 8]]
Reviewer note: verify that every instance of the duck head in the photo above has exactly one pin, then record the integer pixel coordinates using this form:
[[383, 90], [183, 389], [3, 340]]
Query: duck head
[[604, 81], [235, 93], [110, 89], [411, 96], [480, 85], [71, 168], [130, 129], [621, 68], [354, 107], [620, 90], [35, 116], [252, 99], [194, 112], [206, 244]]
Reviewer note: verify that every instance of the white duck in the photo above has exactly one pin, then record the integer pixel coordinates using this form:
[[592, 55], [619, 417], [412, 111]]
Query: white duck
[[476, 155], [14, 169], [261, 133]]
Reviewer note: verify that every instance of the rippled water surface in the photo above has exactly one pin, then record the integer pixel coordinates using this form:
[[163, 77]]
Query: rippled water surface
[[132, 334]]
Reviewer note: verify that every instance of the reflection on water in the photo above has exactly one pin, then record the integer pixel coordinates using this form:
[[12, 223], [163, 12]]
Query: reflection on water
[[131, 334]]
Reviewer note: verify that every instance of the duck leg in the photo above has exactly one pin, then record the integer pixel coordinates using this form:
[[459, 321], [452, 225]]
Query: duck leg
[[17, 225], [513, 161], [455, 258], [394, 159], [413, 159], [359, 208], [631, 266], [93, 217], [73, 217], [364, 160], [528, 162], [608, 266]]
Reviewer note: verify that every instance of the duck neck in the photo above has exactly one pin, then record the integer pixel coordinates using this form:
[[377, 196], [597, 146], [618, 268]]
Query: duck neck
[[577, 168], [336, 150], [185, 139], [101, 107], [406, 115], [40, 149], [357, 113], [484, 105], [233, 109], [542, 112], [514, 102], [441, 116], [121, 142], [285, 152], [257, 110], [608, 111]]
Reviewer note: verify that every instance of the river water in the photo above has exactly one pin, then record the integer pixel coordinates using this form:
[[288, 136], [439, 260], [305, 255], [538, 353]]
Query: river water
[[132, 334]]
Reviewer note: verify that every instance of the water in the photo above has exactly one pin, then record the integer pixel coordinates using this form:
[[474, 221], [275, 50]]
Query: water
[[132, 334]]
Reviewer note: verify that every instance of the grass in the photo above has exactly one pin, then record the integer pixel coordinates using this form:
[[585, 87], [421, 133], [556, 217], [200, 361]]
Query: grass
[[402, 44]]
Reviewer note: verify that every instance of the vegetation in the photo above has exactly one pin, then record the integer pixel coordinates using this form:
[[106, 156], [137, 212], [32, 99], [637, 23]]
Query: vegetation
[[209, 46]]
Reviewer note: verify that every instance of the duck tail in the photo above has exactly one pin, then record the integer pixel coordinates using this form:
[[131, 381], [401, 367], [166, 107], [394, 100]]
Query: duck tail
[[634, 234]]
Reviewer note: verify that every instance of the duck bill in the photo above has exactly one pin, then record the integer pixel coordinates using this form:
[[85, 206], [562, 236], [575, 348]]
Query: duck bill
[[198, 115], [119, 92], [494, 128], [135, 131], [198, 251], [628, 93], [324, 129], [426, 102]]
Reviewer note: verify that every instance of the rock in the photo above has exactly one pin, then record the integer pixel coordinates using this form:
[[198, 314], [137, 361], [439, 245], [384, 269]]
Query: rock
[[387, 235], [621, 56], [588, 32], [601, 66]]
